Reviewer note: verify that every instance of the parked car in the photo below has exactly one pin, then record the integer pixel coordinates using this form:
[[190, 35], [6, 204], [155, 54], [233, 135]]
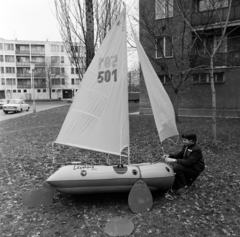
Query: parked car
[[70, 100], [3, 102], [15, 105]]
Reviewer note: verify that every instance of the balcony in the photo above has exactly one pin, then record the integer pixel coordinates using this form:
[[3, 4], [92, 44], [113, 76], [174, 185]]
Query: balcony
[[35, 52], [40, 64], [39, 74], [212, 16], [19, 74], [24, 86], [23, 64], [22, 52], [38, 86], [220, 60], [29, 86], [11, 87]]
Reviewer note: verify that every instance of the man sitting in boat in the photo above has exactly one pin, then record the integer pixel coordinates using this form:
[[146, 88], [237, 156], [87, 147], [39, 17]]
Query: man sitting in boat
[[187, 164]]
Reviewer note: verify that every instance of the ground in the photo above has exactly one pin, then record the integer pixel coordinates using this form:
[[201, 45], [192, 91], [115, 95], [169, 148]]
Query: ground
[[212, 208]]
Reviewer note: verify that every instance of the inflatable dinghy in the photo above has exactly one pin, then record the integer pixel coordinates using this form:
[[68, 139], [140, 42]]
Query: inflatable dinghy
[[83, 179]]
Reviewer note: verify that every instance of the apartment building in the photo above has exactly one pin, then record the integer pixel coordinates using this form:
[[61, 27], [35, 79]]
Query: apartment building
[[45, 63], [175, 51]]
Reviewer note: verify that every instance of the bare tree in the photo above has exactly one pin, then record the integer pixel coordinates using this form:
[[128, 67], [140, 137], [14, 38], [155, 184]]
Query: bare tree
[[84, 24], [54, 74], [209, 14], [168, 45], [195, 35]]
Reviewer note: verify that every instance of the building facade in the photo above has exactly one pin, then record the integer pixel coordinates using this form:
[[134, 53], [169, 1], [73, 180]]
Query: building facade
[[46, 63], [181, 59]]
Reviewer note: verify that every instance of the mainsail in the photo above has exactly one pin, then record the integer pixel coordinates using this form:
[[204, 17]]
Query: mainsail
[[98, 117], [161, 104]]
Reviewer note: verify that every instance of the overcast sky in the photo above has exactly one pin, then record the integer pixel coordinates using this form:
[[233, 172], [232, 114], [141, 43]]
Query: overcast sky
[[30, 20], [35, 20]]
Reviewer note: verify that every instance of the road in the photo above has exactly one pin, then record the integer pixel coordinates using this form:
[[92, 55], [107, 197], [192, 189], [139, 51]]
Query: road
[[40, 106]]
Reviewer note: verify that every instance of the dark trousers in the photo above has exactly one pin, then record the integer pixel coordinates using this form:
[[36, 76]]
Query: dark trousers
[[183, 175]]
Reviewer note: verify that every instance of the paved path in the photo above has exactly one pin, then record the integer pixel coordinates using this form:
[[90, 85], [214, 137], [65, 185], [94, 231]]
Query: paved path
[[40, 106]]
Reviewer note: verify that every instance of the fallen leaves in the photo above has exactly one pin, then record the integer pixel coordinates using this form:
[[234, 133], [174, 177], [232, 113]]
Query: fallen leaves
[[212, 208]]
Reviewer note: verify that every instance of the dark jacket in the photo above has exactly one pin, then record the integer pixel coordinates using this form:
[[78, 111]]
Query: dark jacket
[[190, 157]]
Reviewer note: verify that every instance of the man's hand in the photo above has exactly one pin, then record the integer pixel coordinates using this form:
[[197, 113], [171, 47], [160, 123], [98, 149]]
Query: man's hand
[[167, 159]]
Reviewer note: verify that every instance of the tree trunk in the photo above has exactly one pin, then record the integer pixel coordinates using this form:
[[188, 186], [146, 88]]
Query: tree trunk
[[175, 105], [214, 107], [89, 33], [49, 87]]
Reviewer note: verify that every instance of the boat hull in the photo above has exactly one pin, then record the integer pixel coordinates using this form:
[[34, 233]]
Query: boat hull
[[85, 179]]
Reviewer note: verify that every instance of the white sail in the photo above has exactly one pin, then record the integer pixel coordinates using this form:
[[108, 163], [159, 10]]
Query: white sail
[[161, 104], [98, 117]]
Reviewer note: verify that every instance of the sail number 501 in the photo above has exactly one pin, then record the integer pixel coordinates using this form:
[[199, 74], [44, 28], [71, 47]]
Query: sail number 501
[[104, 66], [106, 75]]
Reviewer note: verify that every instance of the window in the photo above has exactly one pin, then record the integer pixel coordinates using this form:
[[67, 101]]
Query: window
[[163, 9], [22, 59], [62, 48], [205, 5], [10, 70], [55, 48], [200, 78], [81, 61], [165, 79], [1, 58], [2, 69], [77, 81], [62, 70], [219, 77], [9, 47], [53, 90], [55, 59], [203, 78], [223, 46], [164, 47], [3, 81], [44, 90], [55, 70], [72, 70], [75, 48], [14, 91], [63, 81], [62, 59], [82, 70], [56, 81], [19, 91], [38, 90], [73, 81], [1, 46], [24, 47], [11, 81], [24, 91], [211, 42], [9, 58]]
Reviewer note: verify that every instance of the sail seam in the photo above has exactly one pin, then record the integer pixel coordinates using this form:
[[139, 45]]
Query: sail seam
[[85, 113], [95, 91]]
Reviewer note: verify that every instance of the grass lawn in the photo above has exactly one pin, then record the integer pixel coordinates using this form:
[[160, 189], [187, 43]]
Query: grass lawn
[[212, 208]]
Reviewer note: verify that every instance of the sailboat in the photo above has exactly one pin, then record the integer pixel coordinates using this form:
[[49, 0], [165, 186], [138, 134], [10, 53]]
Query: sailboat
[[98, 120]]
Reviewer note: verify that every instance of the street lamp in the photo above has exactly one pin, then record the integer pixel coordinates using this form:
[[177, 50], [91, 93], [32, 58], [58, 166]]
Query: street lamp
[[32, 67]]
